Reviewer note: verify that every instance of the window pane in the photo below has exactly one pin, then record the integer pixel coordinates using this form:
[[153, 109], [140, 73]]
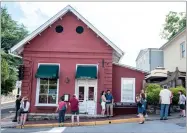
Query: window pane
[[91, 93], [127, 90], [44, 81], [53, 81], [43, 89], [42, 98], [52, 99], [81, 93], [52, 89]]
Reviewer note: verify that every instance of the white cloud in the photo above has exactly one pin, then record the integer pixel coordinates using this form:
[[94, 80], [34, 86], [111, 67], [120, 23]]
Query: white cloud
[[130, 25]]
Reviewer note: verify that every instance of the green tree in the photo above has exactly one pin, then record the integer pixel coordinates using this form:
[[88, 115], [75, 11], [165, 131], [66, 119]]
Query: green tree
[[11, 33], [4, 70], [174, 23]]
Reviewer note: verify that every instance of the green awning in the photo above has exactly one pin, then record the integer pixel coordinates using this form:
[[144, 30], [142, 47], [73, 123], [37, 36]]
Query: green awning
[[48, 71], [86, 72]]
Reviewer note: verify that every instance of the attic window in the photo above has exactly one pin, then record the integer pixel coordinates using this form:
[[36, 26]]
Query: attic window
[[59, 29], [79, 29]]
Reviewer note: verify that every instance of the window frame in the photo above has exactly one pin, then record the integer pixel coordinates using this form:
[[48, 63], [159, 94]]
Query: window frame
[[38, 88], [134, 89], [183, 51]]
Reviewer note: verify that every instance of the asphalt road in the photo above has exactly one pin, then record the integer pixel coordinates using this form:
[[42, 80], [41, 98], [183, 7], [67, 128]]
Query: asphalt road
[[6, 108], [170, 126]]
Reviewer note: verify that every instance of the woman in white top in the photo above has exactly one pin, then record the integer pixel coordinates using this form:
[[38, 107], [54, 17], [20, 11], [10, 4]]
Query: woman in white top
[[103, 103], [182, 100], [25, 105]]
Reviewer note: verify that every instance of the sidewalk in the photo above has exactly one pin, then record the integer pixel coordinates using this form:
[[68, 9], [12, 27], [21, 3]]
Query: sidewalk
[[86, 121]]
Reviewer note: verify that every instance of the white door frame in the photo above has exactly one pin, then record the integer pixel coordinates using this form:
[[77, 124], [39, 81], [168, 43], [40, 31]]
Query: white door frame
[[96, 86], [86, 91]]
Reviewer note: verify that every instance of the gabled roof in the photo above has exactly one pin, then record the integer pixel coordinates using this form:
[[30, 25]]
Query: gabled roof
[[68, 8], [140, 53], [130, 67], [143, 50], [173, 38]]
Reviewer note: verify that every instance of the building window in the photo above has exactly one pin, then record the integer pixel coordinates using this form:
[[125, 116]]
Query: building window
[[183, 50], [47, 91], [47, 85], [59, 29], [128, 90], [79, 29]]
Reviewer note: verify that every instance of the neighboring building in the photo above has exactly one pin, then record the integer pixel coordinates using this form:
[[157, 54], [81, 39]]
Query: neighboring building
[[175, 52], [150, 58], [67, 55]]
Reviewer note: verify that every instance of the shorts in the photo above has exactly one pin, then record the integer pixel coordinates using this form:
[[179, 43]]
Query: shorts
[[75, 112], [24, 112], [103, 105], [182, 106]]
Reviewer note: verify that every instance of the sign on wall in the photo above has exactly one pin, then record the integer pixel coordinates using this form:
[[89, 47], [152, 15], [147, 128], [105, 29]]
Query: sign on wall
[[128, 90]]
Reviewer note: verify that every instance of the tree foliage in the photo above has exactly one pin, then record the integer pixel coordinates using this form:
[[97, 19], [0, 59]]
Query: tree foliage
[[175, 91], [11, 33], [153, 91], [174, 23]]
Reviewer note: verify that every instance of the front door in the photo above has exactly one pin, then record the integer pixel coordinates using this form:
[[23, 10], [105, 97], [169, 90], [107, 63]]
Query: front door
[[86, 91]]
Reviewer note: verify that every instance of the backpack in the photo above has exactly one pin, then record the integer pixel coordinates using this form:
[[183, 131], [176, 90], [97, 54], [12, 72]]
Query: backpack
[[64, 107]]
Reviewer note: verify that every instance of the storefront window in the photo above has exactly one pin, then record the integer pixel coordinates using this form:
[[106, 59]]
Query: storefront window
[[48, 91]]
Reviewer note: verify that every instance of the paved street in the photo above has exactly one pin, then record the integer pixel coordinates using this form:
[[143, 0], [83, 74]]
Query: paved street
[[5, 108], [170, 126]]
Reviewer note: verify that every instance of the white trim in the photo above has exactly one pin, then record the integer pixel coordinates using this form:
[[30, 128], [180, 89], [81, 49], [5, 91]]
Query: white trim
[[134, 88], [130, 67], [38, 84], [172, 39], [55, 18]]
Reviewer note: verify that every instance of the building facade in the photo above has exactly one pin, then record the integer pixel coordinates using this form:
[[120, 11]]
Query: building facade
[[175, 52], [150, 58], [67, 56]]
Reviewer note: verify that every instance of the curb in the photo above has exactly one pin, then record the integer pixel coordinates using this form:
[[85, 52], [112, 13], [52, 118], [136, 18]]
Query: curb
[[91, 123], [8, 102]]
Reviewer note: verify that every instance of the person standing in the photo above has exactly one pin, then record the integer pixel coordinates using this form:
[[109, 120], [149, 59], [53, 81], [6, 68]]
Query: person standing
[[61, 109], [103, 103], [165, 97], [171, 99], [74, 104], [145, 102], [140, 104], [25, 105], [109, 103], [182, 100], [17, 107]]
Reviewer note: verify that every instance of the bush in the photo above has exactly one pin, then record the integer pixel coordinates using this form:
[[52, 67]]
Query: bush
[[175, 91], [152, 92], [153, 96], [151, 87]]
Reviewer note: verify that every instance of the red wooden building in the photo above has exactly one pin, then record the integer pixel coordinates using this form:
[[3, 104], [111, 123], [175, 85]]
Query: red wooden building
[[68, 55]]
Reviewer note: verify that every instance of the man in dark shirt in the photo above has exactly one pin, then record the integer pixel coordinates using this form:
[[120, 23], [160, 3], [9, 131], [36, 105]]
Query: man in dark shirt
[[109, 103], [74, 103], [17, 107]]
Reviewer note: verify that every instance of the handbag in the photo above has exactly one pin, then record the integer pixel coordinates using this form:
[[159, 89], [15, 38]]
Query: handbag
[[139, 104]]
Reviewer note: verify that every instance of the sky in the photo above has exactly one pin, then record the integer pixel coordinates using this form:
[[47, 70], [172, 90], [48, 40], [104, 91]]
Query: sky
[[131, 26]]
